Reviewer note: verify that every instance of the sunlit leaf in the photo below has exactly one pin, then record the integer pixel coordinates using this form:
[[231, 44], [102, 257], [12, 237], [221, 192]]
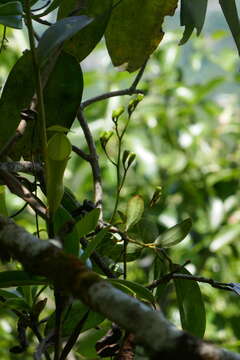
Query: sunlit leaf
[[175, 234], [135, 209], [3, 206], [191, 305]]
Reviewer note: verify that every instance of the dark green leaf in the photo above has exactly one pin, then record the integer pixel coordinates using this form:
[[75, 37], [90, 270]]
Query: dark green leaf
[[11, 14], [15, 303], [135, 30], [61, 31], [88, 223], [192, 15], [72, 318], [13, 99], [62, 95], [8, 295], [93, 243], [231, 14], [70, 240], [135, 209], [174, 235], [140, 291], [19, 278], [191, 305], [82, 43]]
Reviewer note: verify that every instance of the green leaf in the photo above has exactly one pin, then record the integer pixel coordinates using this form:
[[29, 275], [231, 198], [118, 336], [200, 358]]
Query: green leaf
[[66, 72], [3, 206], [135, 209], [135, 30], [16, 304], [88, 223], [13, 99], [192, 15], [72, 318], [231, 14], [8, 295], [11, 14], [140, 291], [93, 243], [83, 42], [70, 240], [58, 151], [19, 278], [175, 234], [191, 305], [56, 34]]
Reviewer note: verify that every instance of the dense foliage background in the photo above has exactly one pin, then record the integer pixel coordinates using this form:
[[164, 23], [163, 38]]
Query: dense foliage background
[[185, 135]]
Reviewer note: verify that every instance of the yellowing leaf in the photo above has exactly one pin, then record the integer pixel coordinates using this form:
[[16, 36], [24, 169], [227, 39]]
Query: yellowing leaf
[[135, 30]]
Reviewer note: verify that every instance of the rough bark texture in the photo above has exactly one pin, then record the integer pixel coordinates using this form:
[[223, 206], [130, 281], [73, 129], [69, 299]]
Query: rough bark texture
[[69, 274]]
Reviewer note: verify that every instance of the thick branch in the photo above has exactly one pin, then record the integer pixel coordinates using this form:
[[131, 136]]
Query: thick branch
[[149, 327]]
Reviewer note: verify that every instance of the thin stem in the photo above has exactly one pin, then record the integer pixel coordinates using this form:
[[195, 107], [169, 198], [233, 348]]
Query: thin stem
[[73, 337], [129, 91], [111, 94], [93, 160]]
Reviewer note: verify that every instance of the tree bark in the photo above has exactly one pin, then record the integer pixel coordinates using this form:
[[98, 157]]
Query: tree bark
[[149, 327]]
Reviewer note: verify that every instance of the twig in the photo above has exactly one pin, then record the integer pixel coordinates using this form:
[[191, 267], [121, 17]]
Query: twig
[[174, 275], [110, 94], [98, 193], [129, 91], [19, 133], [22, 191], [81, 153], [27, 167], [41, 21], [73, 337]]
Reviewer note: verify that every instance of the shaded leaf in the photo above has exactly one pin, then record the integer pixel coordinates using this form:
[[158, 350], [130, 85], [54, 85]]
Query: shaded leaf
[[135, 209], [56, 34], [140, 291], [88, 223], [8, 294], [135, 30], [19, 278], [93, 243], [191, 305], [70, 240], [72, 317], [192, 15], [83, 42], [231, 14], [11, 14], [13, 99], [62, 96], [175, 234]]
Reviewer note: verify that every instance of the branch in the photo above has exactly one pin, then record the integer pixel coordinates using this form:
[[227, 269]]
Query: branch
[[93, 160], [174, 275], [22, 191], [129, 91], [149, 327], [27, 167]]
